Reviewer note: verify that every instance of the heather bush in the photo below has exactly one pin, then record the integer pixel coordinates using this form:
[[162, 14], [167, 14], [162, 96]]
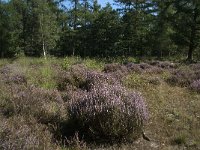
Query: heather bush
[[5, 70], [63, 80], [116, 70], [45, 105], [17, 79], [133, 67], [109, 112], [195, 66], [97, 78], [164, 64], [145, 66], [13, 73], [18, 133], [154, 70], [119, 74], [113, 67], [183, 77], [195, 86], [75, 76]]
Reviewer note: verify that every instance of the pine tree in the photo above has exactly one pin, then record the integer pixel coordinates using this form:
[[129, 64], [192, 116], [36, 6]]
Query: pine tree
[[187, 25]]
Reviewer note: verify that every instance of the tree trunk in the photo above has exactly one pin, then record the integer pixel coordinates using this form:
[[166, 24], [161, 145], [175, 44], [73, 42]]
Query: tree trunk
[[43, 48], [43, 41]]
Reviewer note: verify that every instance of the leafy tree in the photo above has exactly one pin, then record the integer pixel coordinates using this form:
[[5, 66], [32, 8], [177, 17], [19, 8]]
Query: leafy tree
[[37, 27], [8, 34], [187, 25], [137, 23], [105, 33]]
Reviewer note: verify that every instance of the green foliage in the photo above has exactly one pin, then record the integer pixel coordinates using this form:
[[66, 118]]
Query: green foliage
[[143, 29]]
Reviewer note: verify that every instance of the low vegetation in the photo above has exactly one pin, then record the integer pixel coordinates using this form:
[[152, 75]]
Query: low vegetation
[[76, 103]]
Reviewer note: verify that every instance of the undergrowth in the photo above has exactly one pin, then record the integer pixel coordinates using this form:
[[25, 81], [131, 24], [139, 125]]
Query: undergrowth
[[77, 103]]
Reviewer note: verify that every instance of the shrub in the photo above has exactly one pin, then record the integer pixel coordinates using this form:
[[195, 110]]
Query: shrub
[[145, 66], [109, 112], [133, 67], [63, 80], [19, 133], [5, 70], [75, 76], [154, 70], [45, 105], [195, 86], [164, 64], [182, 77], [195, 66], [116, 70], [13, 73], [113, 67], [97, 78], [17, 79]]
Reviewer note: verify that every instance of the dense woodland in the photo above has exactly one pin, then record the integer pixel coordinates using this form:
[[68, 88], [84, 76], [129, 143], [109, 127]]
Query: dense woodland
[[139, 28]]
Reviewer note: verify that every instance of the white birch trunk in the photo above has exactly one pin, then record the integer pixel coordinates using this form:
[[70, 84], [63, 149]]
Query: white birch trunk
[[43, 42], [43, 48]]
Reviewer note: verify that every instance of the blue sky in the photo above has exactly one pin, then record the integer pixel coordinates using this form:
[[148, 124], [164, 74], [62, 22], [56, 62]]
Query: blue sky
[[103, 2]]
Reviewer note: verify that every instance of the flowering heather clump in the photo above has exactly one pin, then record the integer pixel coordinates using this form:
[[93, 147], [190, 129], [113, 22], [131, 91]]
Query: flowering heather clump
[[145, 66], [195, 66], [63, 80], [163, 64], [113, 67], [195, 86], [75, 76], [11, 74], [197, 74], [109, 112], [97, 78], [18, 79], [116, 70], [154, 70], [133, 67], [182, 77], [17, 133], [5, 70], [45, 105], [119, 74]]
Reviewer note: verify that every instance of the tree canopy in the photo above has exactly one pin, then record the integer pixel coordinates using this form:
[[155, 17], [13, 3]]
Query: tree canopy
[[139, 28]]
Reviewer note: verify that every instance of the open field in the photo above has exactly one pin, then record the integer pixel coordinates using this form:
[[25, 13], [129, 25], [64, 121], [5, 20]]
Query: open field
[[38, 97]]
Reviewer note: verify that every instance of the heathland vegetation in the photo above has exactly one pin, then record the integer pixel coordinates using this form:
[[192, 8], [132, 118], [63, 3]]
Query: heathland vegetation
[[86, 77], [76, 103]]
